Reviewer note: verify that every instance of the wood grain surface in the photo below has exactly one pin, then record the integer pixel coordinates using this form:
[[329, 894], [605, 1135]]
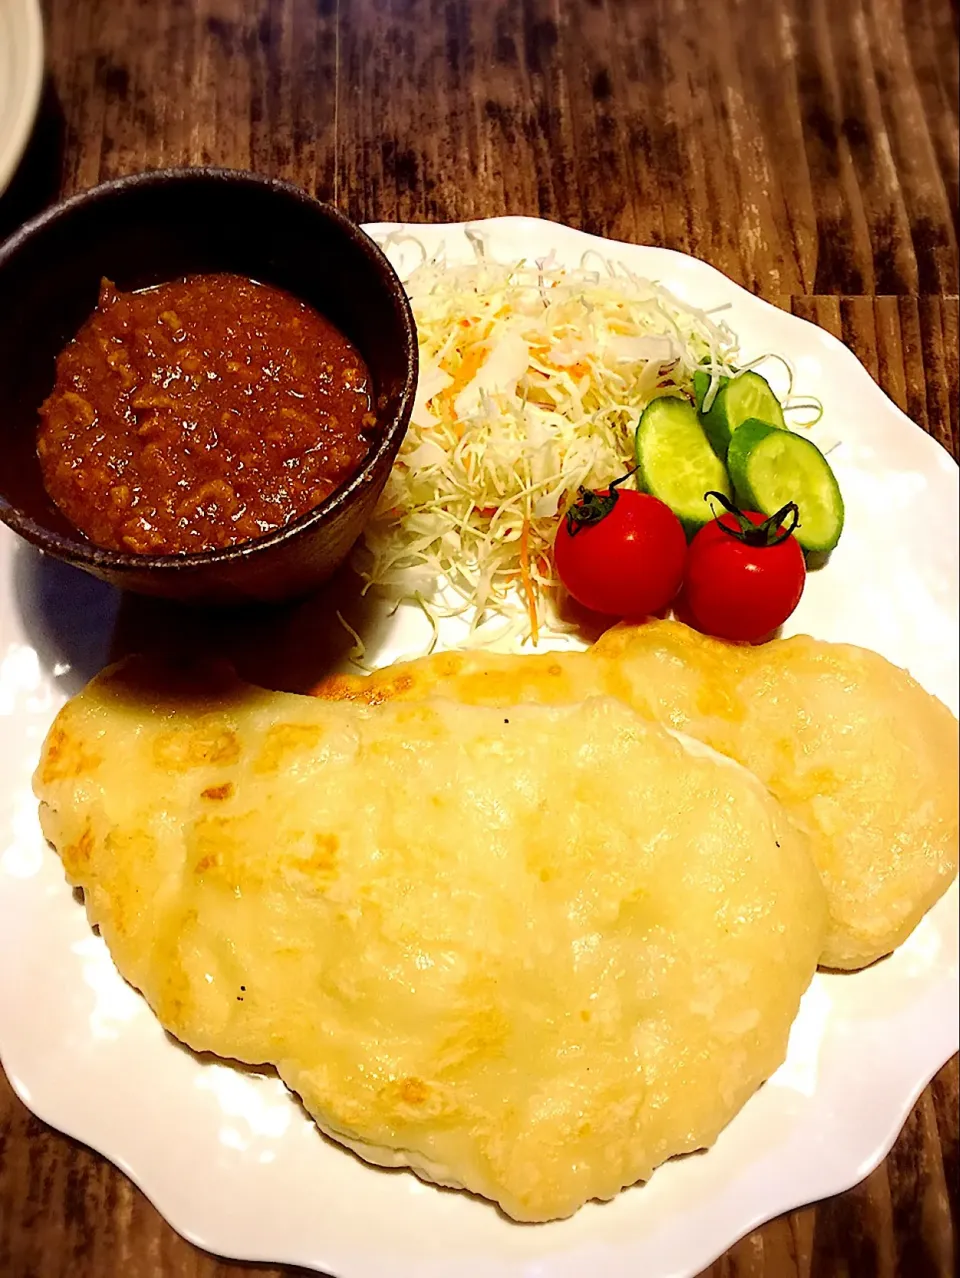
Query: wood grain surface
[[808, 148]]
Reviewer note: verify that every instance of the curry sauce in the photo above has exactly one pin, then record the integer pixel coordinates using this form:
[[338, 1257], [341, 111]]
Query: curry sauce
[[201, 413]]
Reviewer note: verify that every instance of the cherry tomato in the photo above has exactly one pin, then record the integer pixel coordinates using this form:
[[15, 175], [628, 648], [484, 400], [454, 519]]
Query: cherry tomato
[[738, 590], [621, 553]]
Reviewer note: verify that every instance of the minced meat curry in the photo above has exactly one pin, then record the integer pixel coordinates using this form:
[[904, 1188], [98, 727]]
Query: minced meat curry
[[201, 413]]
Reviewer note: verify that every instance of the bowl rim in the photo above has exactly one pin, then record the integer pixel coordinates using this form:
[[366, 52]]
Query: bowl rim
[[83, 552]]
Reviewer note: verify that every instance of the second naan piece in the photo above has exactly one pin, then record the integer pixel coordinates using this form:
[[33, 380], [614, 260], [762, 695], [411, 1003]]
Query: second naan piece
[[533, 953], [861, 757]]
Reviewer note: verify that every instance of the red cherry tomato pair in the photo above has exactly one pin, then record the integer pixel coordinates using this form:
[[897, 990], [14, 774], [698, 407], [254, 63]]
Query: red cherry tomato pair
[[625, 554]]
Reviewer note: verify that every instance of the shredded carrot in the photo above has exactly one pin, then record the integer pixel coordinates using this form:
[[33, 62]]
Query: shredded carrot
[[470, 364], [528, 588]]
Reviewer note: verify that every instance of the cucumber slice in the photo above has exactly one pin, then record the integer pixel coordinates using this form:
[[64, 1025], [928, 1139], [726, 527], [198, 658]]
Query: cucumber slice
[[676, 462], [744, 396], [770, 467]]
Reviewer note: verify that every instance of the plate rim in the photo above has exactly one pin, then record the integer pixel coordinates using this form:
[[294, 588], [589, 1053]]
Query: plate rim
[[25, 112]]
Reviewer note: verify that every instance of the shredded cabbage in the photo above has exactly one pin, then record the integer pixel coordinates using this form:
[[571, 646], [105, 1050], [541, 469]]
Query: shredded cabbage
[[532, 380]]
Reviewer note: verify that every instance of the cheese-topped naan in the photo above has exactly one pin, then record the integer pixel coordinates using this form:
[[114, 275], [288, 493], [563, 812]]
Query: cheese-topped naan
[[531, 952], [862, 758]]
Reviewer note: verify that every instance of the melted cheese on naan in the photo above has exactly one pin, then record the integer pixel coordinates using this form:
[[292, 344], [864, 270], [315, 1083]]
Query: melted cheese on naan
[[531, 952]]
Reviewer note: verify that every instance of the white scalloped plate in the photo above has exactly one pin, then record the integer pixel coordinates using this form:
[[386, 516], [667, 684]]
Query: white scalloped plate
[[230, 1158], [21, 79]]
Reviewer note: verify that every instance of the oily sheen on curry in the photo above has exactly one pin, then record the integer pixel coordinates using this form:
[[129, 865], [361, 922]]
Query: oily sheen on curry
[[201, 413]]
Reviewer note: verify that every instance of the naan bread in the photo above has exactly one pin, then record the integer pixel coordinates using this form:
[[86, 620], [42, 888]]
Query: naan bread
[[531, 953], [862, 758]]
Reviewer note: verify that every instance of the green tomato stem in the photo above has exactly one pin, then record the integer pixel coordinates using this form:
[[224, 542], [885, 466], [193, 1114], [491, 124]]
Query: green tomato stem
[[768, 533]]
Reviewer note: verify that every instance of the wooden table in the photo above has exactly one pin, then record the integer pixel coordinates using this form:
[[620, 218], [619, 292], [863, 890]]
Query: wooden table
[[806, 148]]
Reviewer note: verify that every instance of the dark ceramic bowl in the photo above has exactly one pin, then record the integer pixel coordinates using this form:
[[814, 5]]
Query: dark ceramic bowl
[[154, 227]]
